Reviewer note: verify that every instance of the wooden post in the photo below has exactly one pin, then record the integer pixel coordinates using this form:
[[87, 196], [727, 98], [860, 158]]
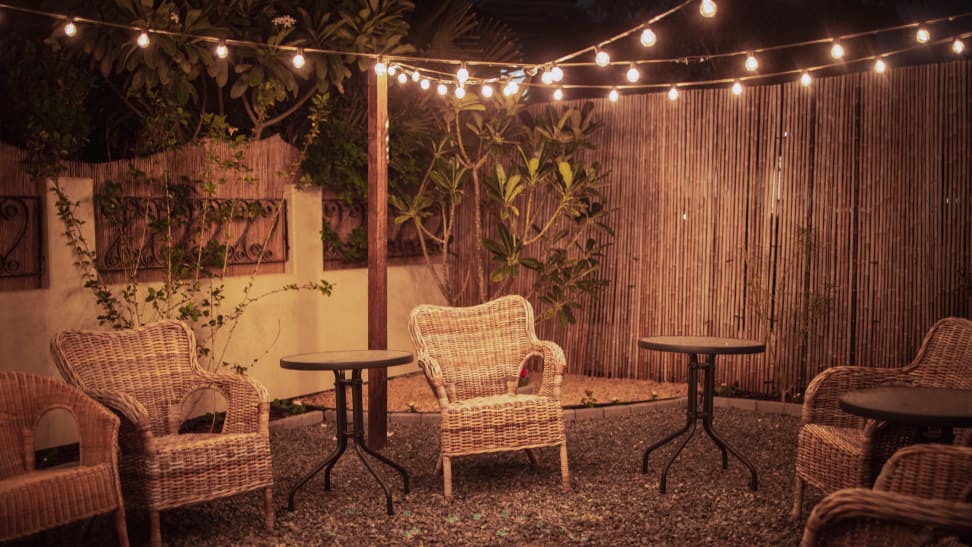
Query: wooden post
[[377, 253]]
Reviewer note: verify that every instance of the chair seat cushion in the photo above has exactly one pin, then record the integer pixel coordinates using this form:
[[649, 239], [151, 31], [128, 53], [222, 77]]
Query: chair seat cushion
[[501, 422], [193, 468], [36, 500], [831, 457]]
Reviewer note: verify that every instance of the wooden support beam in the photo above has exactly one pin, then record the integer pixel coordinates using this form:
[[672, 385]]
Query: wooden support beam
[[377, 253]]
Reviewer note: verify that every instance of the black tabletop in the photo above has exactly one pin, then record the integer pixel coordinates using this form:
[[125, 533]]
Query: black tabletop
[[911, 405], [708, 345], [346, 360]]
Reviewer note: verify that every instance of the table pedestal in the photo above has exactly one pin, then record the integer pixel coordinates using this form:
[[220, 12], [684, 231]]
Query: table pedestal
[[356, 435], [693, 415]]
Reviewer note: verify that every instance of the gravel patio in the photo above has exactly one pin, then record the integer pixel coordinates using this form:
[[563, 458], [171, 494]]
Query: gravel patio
[[501, 499]]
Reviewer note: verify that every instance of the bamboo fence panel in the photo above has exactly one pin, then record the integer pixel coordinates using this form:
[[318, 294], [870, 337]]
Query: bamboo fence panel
[[735, 215]]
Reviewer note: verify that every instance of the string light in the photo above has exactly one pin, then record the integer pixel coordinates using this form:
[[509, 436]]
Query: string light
[[143, 40], [547, 77], [486, 91], [602, 58], [922, 35], [751, 64], [425, 84], [70, 29], [648, 37], [462, 74], [708, 8], [737, 88], [837, 51], [558, 94], [402, 77], [673, 93], [633, 75], [805, 79], [557, 73], [613, 96], [880, 66], [298, 59], [381, 67], [392, 70], [221, 50], [441, 89], [416, 76], [958, 46], [460, 92]]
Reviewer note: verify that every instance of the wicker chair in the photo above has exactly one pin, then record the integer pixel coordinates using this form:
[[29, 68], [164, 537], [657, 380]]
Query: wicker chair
[[472, 358], [923, 493], [32, 500], [145, 374], [838, 450]]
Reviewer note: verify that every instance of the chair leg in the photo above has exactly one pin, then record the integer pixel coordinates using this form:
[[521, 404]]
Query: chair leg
[[438, 464], [797, 500], [564, 470], [121, 528], [155, 529], [532, 455], [268, 507], [447, 475]]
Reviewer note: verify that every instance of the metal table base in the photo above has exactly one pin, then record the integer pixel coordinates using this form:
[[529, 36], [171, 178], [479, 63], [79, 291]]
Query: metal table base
[[693, 415], [357, 437]]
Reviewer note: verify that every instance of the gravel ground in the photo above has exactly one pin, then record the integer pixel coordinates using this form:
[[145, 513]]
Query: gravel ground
[[501, 499]]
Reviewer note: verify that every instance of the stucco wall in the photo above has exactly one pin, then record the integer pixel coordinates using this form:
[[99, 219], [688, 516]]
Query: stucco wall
[[301, 321]]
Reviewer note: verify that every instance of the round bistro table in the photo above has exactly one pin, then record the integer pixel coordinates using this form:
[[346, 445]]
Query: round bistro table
[[926, 407], [339, 362], [695, 346]]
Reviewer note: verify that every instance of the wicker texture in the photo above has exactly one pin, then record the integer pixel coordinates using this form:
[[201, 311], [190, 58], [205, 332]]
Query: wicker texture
[[472, 358], [839, 450], [923, 493], [32, 500], [145, 374]]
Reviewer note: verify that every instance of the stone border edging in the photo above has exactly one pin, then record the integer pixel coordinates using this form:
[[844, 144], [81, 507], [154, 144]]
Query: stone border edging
[[570, 414]]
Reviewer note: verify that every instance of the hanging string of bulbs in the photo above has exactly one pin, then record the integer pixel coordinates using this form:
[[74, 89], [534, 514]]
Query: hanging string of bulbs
[[510, 77]]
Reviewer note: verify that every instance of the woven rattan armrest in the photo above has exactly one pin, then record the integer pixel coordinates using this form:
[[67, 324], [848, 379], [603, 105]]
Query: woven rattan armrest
[[125, 405], [929, 471], [247, 401], [435, 378], [820, 403], [864, 507], [97, 431], [554, 364]]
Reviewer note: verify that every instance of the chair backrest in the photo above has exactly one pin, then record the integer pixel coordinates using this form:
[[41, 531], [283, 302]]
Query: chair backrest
[[945, 356], [152, 363], [479, 348]]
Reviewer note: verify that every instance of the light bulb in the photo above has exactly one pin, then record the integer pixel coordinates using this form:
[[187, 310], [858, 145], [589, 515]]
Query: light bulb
[[602, 58], [511, 88], [880, 66], [613, 96], [805, 79], [558, 94], [402, 77], [708, 8], [632, 75], [958, 46], [673, 94], [751, 64], [922, 35], [298, 59], [737, 88], [392, 70], [487, 91], [70, 29], [416, 76], [143, 40], [462, 74], [557, 73], [837, 51], [425, 83], [648, 37], [460, 92], [221, 50], [547, 77], [441, 89], [381, 68]]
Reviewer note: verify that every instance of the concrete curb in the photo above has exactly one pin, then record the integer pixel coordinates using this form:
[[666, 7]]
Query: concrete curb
[[570, 414]]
